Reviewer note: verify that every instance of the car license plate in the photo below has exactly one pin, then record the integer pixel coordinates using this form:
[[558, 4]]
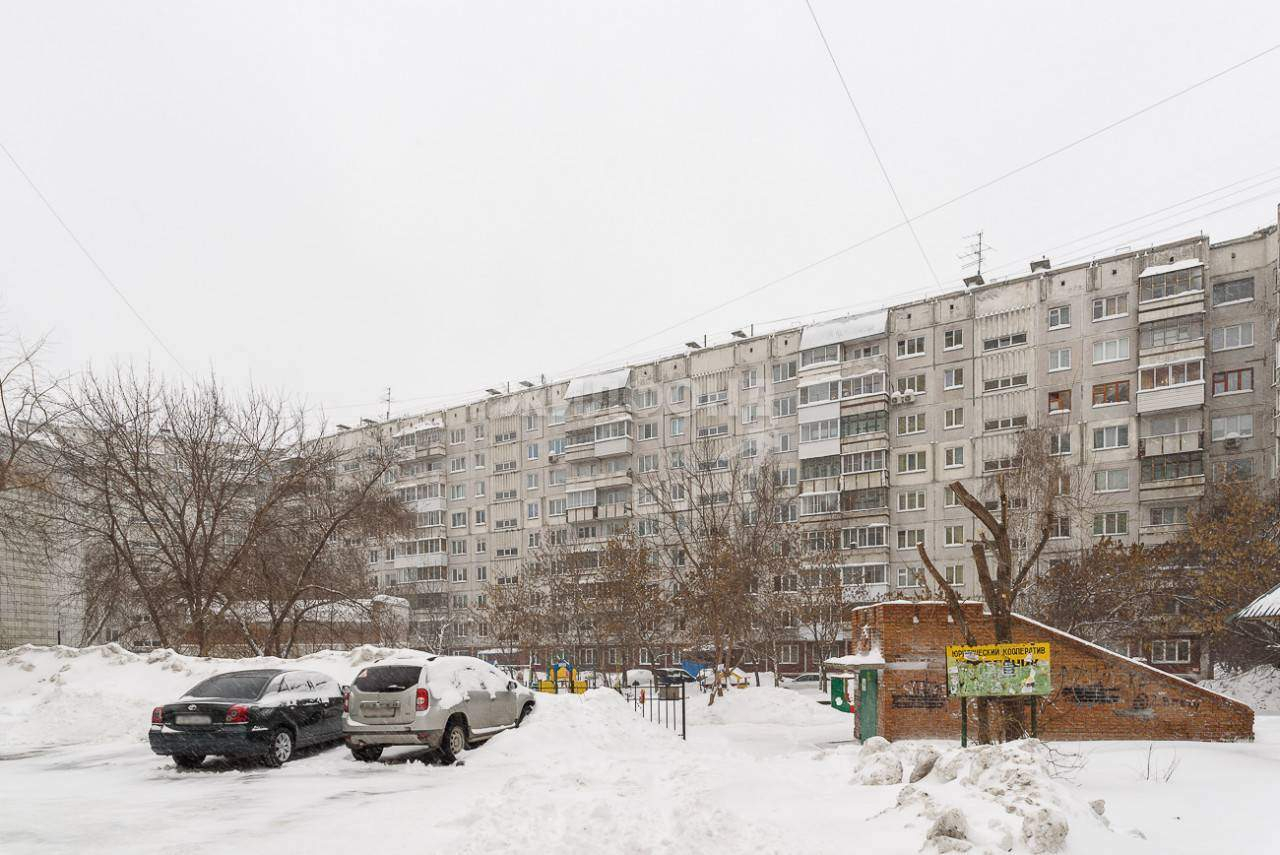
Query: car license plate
[[379, 710], [191, 719]]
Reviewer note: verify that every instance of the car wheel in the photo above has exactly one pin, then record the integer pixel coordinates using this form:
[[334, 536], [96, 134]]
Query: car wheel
[[188, 761], [454, 741], [367, 754], [279, 749], [525, 712]]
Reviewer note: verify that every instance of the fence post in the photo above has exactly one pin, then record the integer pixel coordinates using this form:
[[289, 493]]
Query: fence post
[[682, 727]]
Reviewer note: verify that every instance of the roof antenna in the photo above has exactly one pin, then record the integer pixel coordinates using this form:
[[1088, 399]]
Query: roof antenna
[[974, 255], [387, 398]]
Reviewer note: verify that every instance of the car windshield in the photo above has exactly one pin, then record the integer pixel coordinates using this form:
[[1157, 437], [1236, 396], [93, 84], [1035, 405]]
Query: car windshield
[[387, 678], [245, 684]]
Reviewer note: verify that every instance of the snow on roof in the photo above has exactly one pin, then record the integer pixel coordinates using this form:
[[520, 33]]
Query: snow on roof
[[873, 657], [1185, 264], [593, 383], [843, 329], [1265, 607], [421, 424], [819, 380]]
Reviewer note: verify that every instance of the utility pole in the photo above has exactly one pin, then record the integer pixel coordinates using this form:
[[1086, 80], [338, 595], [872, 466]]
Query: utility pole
[[975, 253]]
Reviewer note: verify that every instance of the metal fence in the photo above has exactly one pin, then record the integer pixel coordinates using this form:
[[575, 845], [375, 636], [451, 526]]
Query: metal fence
[[662, 704]]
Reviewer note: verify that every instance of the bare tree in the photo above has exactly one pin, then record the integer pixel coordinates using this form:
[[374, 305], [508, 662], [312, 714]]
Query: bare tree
[[169, 491], [633, 600], [31, 402], [1034, 483]]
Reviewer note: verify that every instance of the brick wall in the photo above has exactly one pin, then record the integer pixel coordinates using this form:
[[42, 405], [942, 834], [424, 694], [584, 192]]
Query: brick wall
[[1097, 694]]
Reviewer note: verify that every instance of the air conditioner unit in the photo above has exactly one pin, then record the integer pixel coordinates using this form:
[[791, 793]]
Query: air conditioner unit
[[895, 398], [908, 396], [1232, 443]]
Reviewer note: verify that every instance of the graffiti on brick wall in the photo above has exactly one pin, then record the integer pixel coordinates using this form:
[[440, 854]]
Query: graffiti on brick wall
[[920, 695]]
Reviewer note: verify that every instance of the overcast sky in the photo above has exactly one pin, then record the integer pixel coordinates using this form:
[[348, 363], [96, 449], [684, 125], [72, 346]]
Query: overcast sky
[[329, 199]]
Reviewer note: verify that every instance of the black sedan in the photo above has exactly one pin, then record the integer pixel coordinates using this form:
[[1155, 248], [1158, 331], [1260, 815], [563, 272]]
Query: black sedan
[[263, 713]]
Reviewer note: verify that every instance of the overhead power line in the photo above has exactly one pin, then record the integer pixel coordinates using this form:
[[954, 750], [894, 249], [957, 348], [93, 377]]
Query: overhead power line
[[906, 219], [951, 201]]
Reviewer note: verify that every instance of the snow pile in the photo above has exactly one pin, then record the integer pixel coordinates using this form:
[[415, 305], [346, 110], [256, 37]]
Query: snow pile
[[764, 705], [67, 695], [1258, 687], [991, 797]]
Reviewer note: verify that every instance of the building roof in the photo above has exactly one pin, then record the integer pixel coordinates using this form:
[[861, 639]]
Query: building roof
[[593, 383], [843, 329], [1185, 264], [1266, 607]]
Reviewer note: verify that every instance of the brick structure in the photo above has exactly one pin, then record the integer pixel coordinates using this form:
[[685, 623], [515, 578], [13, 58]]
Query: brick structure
[[1097, 694]]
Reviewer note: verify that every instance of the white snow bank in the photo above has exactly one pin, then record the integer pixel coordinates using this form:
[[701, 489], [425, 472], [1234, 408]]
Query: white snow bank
[[1258, 687], [871, 657], [66, 695], [763, 705]]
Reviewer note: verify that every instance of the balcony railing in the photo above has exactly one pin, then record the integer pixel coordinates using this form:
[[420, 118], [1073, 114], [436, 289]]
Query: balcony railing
[[1174, 443]]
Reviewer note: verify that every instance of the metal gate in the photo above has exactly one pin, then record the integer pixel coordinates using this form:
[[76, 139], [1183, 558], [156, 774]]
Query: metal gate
[[664, 705]]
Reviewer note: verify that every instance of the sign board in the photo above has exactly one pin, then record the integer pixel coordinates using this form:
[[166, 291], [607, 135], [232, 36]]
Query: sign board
[[998, 670]]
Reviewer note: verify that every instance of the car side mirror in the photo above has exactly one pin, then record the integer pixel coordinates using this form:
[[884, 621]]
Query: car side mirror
[[511, 685], [344, 689]]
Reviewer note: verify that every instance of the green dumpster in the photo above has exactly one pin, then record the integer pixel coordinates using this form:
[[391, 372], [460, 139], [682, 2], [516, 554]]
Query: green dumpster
[[840, 693]]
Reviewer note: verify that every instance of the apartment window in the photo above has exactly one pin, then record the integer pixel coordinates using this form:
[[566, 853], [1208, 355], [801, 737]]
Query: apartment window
[[648, 463], [457, 547], [863, 574], [865, 351], [953, 457], [953, 339], [750, 448], [1060, 359], [1060, 442], [1005, 423], [914, 383], [677, 394], [1059, 317], [910, 347], [458, 464], [713, 430], [1230, 382], [876, 421], [1171, 651], [871, 383], [1106, 308], [1114, 436], [557, 477], [645, 398], [910, 577], [1232, 427], [1170, 332], [1060, 402], [457, 435], [1004, 341], [750, 414], [819, 503], [788, 513], [1111, 524], [1060, 527], [1237, 291], [912, 461], [531, 451], [1176, 374], [1116, 392], [1110, 350], [504, 437], [784, 443], [1172, 467], [1170, 284], [1110, 480], [457, 491], [557, 507], [953, 378], [783, 371], [1232, 337], [953, 418], [818, 431], [785, 477], [458, 519], [953, 535], [532, 511], [648, 430], [784, 406], [820, 355], [750, 378], [953, 574], [677, 426], [908, 538], [1167, 515], [912, 500], [950, 499], [864, 461], [1238, 469], [912, 423], [999, 383], [556, 445]]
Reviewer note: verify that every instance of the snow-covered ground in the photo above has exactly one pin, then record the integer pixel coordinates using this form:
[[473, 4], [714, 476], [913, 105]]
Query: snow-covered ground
[[1258, 687], [765, 770]]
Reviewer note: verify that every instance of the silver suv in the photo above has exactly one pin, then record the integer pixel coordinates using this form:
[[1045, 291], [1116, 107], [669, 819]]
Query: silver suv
[[447, 703]]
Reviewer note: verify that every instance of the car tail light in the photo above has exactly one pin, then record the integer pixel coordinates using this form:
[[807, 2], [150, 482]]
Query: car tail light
[[238, 714], [157, 715], [423, 701], [346, 702]]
